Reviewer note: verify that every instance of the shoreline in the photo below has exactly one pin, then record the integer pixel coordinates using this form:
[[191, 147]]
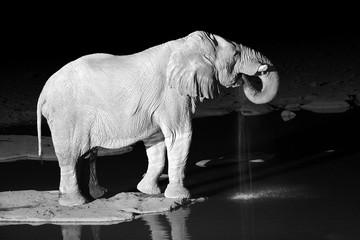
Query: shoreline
[[20, 142]]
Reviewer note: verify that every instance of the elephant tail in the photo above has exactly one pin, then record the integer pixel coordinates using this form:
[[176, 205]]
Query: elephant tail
[[38, 122]]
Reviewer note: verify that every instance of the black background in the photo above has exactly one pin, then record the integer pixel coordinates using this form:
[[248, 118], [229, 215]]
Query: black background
[[67, 30]]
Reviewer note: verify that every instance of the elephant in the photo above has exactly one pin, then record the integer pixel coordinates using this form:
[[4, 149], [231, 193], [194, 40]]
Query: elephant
[[112, 101]]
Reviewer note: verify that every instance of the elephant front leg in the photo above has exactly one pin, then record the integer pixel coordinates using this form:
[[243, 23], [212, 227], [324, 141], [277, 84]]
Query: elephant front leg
[[178, 150], [155, 150], [96, 191]]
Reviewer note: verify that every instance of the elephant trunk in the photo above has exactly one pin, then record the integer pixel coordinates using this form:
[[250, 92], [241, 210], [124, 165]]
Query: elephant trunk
[[255, 64], [270, 84]]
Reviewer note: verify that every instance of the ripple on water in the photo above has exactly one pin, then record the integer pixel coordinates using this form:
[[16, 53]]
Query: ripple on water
[[281, 192]]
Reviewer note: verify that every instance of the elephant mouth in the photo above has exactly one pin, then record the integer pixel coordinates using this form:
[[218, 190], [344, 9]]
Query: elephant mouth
[[254, 79], [237, 81], [240, 78]]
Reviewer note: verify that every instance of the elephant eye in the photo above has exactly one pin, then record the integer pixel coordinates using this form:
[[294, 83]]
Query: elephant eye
[[236, 54], [230, 66]]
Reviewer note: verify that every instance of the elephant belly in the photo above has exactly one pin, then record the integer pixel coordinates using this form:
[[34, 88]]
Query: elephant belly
[[120, 132]]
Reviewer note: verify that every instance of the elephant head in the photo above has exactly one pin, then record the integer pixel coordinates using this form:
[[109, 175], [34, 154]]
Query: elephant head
[[201, 61]]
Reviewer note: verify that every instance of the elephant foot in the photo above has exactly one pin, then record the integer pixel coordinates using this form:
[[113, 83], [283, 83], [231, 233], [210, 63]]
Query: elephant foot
[[71, 199], [97, 191], [176, 191], [148, 187]]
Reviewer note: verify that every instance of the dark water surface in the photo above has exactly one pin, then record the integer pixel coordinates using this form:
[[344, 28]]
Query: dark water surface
[[304, 183]]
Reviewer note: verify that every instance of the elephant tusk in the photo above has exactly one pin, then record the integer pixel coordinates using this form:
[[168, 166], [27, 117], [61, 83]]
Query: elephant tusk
[[263, 68]]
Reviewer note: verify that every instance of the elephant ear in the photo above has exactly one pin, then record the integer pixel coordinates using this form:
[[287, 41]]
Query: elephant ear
[[190, 69]]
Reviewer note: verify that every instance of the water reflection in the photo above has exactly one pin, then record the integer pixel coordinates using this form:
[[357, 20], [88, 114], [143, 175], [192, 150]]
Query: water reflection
[[71, 232], [166, 226], [247, 229], [172, 222]]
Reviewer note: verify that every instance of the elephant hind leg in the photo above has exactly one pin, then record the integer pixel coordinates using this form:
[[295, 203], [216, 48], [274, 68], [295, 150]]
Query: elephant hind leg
[[70, 194], [68, 157], [96, 191], [155, 150]]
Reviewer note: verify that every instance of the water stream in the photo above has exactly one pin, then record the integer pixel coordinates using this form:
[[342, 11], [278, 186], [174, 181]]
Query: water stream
[[245, 175]]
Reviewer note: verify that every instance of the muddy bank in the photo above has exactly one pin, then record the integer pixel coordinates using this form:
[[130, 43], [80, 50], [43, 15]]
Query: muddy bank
[[41, 207]]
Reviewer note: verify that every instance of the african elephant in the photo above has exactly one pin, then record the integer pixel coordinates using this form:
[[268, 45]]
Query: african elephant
[[102, 100]]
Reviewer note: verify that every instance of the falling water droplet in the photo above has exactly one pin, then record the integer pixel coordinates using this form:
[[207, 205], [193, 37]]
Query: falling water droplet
[[245, 181], [257, 161]]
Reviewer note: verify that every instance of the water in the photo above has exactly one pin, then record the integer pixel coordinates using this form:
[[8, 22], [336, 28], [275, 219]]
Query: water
[[245, 181], [297, 180]]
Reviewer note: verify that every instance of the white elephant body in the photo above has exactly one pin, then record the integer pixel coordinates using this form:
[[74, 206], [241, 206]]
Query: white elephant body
[[109, 101], [99, 96]]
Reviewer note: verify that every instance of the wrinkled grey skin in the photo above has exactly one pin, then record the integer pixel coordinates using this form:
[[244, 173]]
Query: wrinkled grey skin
[[108, 101]]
